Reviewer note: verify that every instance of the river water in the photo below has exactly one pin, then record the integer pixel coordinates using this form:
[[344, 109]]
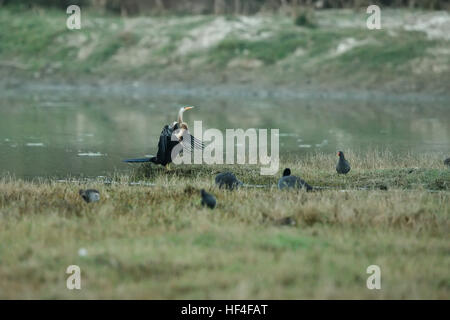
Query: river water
[[60, 130]]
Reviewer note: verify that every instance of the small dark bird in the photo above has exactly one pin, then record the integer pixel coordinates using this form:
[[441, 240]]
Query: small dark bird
[[208, 199], [292, 182], [382, 186], [90, 195], [447, 162], [342, 167], [228, 181], [286, 221]]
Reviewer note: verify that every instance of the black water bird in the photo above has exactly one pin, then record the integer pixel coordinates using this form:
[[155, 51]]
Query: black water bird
[[90, 195], [447, 162], [343, 166], [292, 182], [171, 136], [228, 181], [208, 199], [286, 221]]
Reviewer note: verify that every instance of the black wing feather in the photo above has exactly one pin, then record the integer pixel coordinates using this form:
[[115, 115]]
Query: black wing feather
[[197, 143], [165, 145], [192, 143]]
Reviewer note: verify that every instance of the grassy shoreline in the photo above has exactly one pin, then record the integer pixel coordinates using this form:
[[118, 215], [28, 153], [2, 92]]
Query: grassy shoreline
[[158, 242]]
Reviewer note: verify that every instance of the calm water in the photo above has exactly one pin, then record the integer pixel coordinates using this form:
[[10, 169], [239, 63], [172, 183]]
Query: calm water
[[60, 131]]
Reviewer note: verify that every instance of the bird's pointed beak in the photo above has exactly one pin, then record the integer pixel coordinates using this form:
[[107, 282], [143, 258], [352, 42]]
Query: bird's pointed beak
[[187, 108]]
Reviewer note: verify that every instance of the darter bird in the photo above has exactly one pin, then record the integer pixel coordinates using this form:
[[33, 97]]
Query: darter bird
[[170, 136]]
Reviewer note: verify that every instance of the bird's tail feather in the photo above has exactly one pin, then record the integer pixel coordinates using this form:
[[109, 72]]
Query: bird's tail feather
[[137, 160]]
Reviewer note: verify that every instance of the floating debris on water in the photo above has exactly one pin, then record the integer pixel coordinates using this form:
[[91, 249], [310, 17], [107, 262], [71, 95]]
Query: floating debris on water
[[91, 154], [34, 144], [304, 146]]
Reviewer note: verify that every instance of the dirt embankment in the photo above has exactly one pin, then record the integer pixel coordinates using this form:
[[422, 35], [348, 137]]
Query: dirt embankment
[[411, 53]]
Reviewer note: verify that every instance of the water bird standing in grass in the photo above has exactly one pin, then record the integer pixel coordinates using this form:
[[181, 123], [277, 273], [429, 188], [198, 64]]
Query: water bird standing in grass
[[228, 181], [342, 167], [170, 136], [447, 162], [292, 182], [208, 199], [90, 195]]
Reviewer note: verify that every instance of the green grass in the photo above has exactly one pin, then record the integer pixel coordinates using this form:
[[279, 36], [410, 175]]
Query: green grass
[[158, 242], [269, 50]]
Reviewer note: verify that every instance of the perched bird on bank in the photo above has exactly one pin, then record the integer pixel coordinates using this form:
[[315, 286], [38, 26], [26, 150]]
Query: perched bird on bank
[[342, 167], [292, 182], [228, 181], [90, 195], [447, 162], [171, 136], [208, 199]]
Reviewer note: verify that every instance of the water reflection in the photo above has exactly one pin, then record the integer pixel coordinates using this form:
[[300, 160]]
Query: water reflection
[[59, 133]]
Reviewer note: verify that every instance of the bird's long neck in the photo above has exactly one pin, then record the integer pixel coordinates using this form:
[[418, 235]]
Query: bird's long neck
[[180, 116]]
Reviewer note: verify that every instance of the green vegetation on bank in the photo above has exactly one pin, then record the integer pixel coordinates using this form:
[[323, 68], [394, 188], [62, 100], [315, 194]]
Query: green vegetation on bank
[[156, 241], [263, 49]]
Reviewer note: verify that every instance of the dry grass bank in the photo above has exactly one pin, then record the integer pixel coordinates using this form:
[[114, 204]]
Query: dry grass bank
[[158, 242]]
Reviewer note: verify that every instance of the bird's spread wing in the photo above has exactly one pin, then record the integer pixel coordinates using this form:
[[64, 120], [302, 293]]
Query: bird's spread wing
[[196, 143], [190, 143]]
